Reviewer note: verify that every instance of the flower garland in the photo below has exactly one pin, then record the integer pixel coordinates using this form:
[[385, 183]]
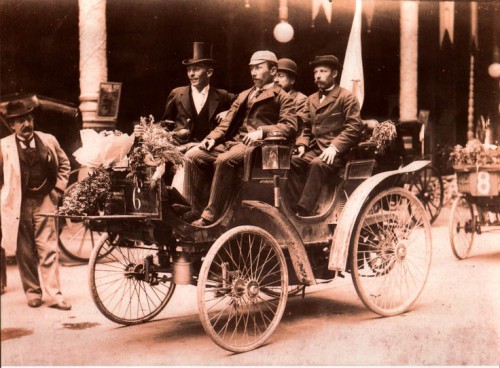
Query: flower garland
[[475, 153], [157, 148], [87, 196]]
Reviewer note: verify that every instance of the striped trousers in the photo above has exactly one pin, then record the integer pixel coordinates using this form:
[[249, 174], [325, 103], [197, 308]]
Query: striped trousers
[[223, 163]]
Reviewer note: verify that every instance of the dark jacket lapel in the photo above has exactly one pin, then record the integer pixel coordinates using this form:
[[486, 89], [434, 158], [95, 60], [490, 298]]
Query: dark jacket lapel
[[213, 102], [186, 100]]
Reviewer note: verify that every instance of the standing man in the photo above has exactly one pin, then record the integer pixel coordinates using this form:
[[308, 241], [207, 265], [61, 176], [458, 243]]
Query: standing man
[[286, 77], [332, 125], [195, 108], [257, 111], [34, 172]]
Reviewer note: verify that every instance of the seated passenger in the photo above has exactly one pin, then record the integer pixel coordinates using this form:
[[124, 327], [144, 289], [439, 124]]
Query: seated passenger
[[332, 125], [256, 112], [195, 109]]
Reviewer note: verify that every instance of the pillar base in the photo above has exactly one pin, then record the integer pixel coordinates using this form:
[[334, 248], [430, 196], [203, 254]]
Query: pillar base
[[100, 124]]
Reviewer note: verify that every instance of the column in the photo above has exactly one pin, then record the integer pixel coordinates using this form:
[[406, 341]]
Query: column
[[93, 64], [409, 61]]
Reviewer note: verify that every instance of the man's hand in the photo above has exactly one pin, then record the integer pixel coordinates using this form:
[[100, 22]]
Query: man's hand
[[252, 137], [138, 130], [220, 116], [328, 155], [301, 150], [207, 144]]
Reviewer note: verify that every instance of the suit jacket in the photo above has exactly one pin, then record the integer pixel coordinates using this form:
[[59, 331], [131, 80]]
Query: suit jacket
[[180, 109], [335, 121], [273, 110], [11, 182]]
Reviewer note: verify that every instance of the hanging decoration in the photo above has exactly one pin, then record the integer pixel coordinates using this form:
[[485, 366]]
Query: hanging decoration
[[352, 76], [327, 7], [369, 10], [283, 32], [446, 20]]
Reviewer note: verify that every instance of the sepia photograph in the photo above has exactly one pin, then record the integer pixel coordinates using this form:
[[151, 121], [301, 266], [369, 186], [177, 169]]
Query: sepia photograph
[[249, 183]]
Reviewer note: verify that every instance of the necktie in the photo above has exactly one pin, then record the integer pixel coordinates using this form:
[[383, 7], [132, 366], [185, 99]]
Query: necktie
[[25, 144], [322, 95]]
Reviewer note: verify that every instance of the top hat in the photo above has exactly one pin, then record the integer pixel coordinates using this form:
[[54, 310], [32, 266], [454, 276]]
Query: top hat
[[17, 108], [262, 56], [202, 53], [328, 60], [288, 65]]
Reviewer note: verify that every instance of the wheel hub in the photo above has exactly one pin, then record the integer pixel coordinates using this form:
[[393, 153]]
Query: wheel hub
[[401, 252], [253, 289], [134, 270], [242, 287]]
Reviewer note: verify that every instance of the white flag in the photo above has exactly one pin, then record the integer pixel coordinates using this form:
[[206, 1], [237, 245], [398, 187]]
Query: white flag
[[352, 75]]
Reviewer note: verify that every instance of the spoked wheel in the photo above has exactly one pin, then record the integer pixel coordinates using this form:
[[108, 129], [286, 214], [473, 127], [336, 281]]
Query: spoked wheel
[[427, 185], [76, 240], [127, 282], [234, 310], [463, 224], [391, 252]]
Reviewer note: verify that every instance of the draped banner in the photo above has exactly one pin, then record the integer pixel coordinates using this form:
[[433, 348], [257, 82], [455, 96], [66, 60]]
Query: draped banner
[[446, 20], [352, 75]]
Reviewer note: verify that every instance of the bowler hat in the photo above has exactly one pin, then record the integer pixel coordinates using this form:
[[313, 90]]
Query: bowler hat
[[288, 65], [262, 56], [328, 60], [17, 108], [202, 53]]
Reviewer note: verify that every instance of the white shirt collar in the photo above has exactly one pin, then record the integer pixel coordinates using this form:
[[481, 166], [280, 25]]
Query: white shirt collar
[[199, 97]]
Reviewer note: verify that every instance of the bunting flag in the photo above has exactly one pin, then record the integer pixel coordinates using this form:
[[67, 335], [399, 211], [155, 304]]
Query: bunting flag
[[446, 20], [327, 7], [369, 10], [352, 75], [473, 25]]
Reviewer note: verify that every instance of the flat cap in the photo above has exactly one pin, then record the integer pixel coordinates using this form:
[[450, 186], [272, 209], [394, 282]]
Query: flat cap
[[262, 56]]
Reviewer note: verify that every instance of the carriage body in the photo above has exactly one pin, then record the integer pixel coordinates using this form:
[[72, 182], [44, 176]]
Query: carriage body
[[477, 206]]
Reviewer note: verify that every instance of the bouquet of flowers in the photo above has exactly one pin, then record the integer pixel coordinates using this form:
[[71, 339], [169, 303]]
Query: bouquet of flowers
[[86, 197], [475, 153], [383, 135], [106, 148], [157, 148]]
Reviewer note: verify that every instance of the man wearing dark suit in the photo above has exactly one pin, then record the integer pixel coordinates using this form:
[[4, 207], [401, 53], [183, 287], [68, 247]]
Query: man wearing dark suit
[[332, 125], [195, 108], [34, 172], [256, 112], [286, 77]]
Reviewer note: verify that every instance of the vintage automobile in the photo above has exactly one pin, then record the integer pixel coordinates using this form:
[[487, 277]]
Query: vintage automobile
[[249, 261]]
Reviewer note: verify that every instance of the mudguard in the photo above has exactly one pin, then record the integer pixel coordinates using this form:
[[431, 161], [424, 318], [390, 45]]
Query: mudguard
[[339, 250], [272, 220]]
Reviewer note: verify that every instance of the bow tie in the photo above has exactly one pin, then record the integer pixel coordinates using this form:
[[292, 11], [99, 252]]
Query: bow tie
[[323, 93]]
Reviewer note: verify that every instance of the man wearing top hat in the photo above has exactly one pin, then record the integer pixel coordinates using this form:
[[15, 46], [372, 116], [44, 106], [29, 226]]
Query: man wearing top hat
[[34, 172], [255, 113], [286, 77], [332, 125], [195, 108]]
